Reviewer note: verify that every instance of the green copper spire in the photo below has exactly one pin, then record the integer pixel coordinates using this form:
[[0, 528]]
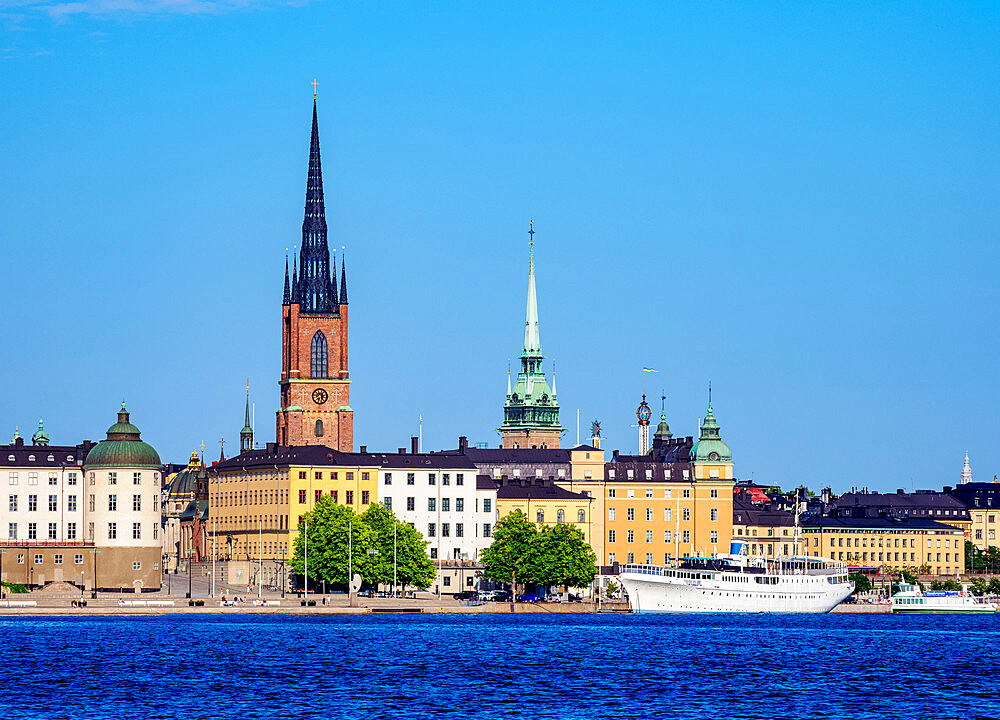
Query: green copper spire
[[532, 343], [531, 406]]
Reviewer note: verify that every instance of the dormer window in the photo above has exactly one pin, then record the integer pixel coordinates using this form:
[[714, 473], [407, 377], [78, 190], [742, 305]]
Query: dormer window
[[10, 458], [69, 458], [52, 458], [31, 458]]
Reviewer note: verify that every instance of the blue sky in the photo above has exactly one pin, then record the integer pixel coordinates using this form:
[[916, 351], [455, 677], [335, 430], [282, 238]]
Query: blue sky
[[795, 201]]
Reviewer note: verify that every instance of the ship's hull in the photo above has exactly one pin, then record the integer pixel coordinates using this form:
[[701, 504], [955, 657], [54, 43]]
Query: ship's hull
[[790, 594]]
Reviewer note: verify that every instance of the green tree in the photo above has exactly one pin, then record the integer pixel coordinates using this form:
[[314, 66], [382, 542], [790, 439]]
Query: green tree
[[978, 586], [412, 566], [993, 588], [861, 582], [559, 555], [505, 560], [951, 585], [333, 551]]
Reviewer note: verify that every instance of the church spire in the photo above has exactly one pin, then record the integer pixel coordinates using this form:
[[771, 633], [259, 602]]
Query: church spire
[[966, 470], [343, 277], [532, 343], [315, 290], [246, 434], [287, 298]]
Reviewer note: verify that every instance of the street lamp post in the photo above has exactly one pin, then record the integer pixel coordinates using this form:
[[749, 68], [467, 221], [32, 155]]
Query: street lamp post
[[2, 553], [94, 552], [189, 574], [284, 574]]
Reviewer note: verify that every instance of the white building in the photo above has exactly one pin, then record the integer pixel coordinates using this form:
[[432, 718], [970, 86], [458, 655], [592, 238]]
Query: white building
[[85, 514], [439, 496]]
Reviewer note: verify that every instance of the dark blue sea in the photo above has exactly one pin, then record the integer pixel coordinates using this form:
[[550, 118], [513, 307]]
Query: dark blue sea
[[491, 666]]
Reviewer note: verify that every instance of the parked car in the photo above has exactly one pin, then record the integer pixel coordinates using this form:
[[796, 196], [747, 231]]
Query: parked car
[[528, 598], [466, 595]]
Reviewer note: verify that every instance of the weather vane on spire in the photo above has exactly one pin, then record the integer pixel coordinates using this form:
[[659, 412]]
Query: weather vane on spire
[[531, 232], [314, 83]]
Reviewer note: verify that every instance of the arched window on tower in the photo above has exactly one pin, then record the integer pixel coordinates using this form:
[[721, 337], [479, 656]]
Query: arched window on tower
[[319, 355], [319, 428]]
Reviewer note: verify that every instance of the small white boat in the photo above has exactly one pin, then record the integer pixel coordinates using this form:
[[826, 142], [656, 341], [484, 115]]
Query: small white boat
[[910, 599]]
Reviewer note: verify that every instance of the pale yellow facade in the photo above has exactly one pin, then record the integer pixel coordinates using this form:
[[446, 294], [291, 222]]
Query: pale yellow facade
[[768, 540], [656, 522], [586, 463], [984, 530], [920, 550], [552, 511], [255, 512]]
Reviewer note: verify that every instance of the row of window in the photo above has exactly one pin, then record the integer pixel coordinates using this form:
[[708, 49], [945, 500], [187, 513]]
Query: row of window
[[668, 514], [891, 556], [667, 492], [630, 558], [992, 534], [411, 478], [71, 530], [14, 478], [668, 536], [459, 530], [13, 502], [411, 504], [630, 473], [889, 542], [57, 559], [31, 458]]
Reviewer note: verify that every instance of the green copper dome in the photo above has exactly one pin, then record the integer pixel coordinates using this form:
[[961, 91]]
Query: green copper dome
[[123, 448], [710, 447]]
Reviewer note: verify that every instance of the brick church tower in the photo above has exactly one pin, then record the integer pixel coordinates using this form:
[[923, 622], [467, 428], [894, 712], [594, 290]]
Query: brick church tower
[[315, 385]]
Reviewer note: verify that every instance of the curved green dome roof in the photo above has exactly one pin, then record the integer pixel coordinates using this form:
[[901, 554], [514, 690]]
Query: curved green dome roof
[[710, 442], [123, 448]]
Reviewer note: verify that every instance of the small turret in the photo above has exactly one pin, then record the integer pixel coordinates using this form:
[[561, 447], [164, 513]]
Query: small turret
[[41, 437]]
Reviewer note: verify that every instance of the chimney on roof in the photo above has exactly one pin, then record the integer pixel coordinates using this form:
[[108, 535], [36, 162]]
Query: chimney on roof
[[414, 444], [614, 455], [401, 451], [363, 449], [463, 444], [899, 491]]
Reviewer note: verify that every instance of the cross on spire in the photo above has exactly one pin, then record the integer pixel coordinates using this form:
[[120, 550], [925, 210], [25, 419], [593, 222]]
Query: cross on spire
[[531, 232], [314, 83]]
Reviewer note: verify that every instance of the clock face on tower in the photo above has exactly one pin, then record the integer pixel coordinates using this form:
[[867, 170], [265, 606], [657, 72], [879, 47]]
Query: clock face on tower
[[320, 396]]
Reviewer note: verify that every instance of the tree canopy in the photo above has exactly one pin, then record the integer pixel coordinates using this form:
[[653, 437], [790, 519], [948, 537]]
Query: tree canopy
[[861, 582], [555, 555], [343, 542], [506, 557]]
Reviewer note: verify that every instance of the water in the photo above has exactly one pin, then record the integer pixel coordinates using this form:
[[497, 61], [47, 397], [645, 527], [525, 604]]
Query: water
[[491, 666]]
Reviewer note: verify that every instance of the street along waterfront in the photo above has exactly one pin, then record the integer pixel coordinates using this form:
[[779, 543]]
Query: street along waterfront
[[487, 666]]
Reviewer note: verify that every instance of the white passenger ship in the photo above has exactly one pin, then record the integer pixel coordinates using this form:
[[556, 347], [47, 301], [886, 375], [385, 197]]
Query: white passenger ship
[[912, 601], [735, 583]]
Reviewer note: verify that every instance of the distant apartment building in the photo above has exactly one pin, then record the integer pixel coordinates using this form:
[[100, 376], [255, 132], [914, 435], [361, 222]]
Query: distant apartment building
[[891, 543], [982, 501]]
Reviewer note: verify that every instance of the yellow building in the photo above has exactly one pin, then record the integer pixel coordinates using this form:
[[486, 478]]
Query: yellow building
[[547, 504], [768, 532], [922, 546], [674, 502], [655, 512], [257, 498]]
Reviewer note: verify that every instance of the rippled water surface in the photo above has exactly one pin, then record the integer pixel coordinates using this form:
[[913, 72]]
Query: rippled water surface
[[488, 666]]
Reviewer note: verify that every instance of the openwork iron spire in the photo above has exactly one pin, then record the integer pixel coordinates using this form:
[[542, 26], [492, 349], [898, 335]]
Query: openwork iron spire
[[315, 291]]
